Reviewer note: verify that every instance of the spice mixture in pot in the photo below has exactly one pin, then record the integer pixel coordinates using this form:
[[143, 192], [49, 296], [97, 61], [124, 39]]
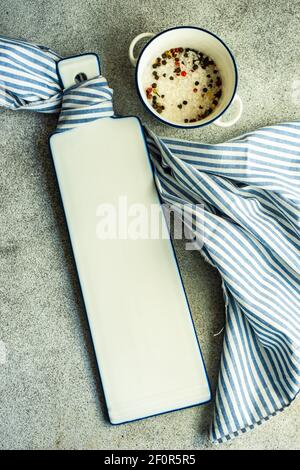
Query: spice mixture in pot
[[183, 85]]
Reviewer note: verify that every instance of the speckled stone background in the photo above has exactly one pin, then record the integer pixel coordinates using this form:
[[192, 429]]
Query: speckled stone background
[[50, 393]]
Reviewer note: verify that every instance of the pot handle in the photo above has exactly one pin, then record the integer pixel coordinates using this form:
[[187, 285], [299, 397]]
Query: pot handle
[[133, 43], [237, 116]]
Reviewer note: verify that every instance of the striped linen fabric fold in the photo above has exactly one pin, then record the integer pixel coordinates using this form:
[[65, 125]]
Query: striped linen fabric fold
[[250, 191], [250, 188], [84, 103], [29, 80], [28, 77]]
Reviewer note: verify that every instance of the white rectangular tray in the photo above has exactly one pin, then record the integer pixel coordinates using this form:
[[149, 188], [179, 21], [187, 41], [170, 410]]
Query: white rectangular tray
[[144, 338]]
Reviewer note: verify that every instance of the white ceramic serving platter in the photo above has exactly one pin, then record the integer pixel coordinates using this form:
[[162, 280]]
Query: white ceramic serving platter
[[143, 334]]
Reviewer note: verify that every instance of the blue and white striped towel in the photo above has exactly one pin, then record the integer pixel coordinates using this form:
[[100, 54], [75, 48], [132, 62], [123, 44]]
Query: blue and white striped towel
[[250, 189]]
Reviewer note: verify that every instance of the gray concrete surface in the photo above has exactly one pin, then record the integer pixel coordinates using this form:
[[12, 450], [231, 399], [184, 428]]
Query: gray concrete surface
[[50, 395]]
